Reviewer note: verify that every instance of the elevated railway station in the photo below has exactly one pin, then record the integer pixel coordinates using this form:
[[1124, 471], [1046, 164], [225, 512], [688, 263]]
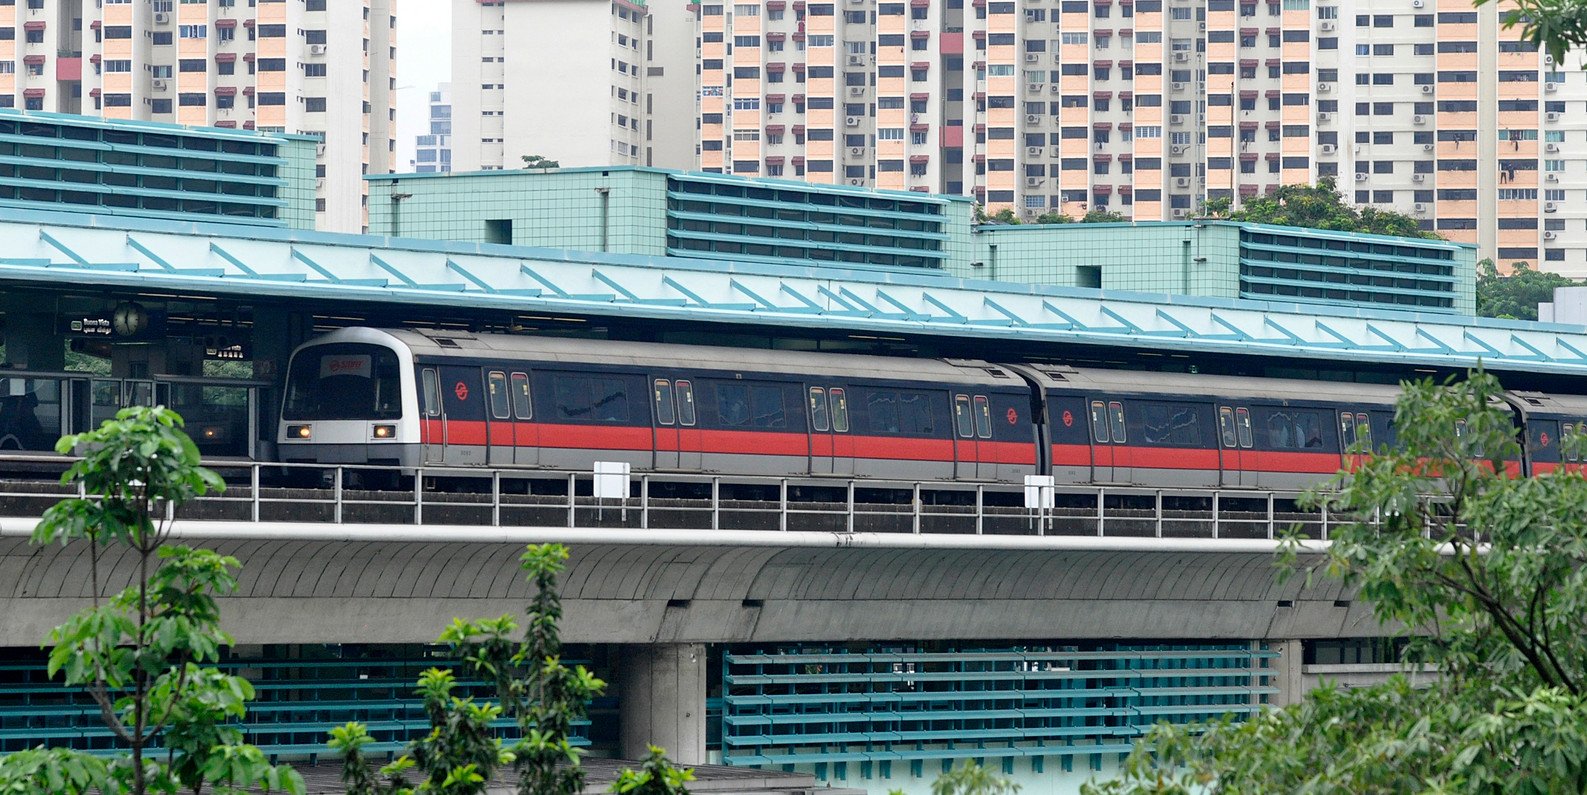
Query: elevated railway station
[[857, 624]]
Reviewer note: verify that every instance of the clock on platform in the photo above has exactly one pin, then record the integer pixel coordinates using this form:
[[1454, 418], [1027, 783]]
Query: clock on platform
[[129, 319]]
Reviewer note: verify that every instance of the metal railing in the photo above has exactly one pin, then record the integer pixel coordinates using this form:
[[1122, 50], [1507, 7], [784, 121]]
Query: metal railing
[[364, 495]]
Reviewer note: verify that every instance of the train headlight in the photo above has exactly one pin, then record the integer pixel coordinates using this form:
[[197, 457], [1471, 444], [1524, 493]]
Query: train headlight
[[300, 432], [385, 431]]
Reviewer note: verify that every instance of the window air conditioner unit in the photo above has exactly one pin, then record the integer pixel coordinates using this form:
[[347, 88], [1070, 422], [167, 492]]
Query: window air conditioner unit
[[1181, 182], [1032, 57], [1054, 151], [1551, 117], [1360, 177], [1551, 147], [1550, 87], [1032, 182], [1324, 117], [1176, 86], [856, 91], [1551, 177], [1549, 235], [851, 121], [1416, 3], [1176, 119], [856, 60], [1427, 89], [1034, 88], [1427, 147], [1549, 207], [1419, 208], [160, 85], [1055, 88], [1328, 149], [1031, 118], [316, 49], [1418, 119], [1177, 150], [162, 18], [1327, 25], [856, 150], [857, 181], [1418, 177], [1548, 60], [1179, 212], [1181, 56], [1033, 151]]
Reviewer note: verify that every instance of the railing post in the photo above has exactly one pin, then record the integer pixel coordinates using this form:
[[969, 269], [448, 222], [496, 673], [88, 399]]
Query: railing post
[[980, 509], [914, 508], [1159, 513], [716, 503], [418, 496], [336, 486], [573, 503], [1324, 519], [1217, 513], [253, 484], [1270, 518], [851, 507], [495, 498], [782, 505], [1102, 516], [644, 502]]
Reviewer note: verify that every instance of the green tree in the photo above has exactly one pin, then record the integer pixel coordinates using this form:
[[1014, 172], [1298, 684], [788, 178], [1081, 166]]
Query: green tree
[[540, 161], [545, 697], [145, 654], [1318, 206], [1486, 570], [657, 776], [1555, 26], [971, 778], [1515, 296], [1103, 217], [1053, 218]]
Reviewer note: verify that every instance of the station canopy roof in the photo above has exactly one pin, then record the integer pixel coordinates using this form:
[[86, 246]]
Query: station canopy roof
[[249, 262]]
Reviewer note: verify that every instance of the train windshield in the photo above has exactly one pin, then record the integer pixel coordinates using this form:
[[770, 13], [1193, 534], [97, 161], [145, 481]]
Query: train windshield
[[344, 381]]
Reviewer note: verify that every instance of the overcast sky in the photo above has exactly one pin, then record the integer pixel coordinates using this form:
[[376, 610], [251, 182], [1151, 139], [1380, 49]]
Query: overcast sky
[[424, 60]]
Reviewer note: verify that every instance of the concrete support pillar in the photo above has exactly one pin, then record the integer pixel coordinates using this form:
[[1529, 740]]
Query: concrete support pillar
[[663, 701], [276, 331], [32, 340], [1287, 673]]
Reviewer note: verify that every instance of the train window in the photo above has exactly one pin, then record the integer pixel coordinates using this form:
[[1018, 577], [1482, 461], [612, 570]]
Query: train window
[[432, 392], [818, 409], [1116, 414], [840, 410], [1226, 425], [1168, 424], [685, 403], [1099, 421], [983, 417], [1242, 423], [590, 398], [1347, 429], [963, 418], [342, 381], [1294, 430], [663, 397], [741, 404], [522, 406], [1364, 431], [890, 411], [500, 401]]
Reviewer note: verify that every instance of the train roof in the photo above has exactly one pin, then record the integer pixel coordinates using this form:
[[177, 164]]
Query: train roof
[[441, 343], [1128, 382]]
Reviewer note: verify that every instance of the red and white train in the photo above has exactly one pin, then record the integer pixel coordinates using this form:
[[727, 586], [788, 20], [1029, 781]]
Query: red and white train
[[441, 398]]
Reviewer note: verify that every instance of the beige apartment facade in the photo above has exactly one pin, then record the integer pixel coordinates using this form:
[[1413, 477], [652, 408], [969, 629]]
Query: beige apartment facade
[[315, 67], [1151, 107], [581, 82]]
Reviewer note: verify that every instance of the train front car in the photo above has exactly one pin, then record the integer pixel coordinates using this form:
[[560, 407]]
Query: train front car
[[350, 399]]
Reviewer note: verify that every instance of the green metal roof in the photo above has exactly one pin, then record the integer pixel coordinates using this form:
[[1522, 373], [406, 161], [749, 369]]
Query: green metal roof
[[79, 250]]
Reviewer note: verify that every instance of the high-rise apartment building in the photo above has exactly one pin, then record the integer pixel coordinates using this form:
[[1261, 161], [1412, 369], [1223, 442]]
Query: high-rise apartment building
[[313, 67], [581, 82], [432, 150], [1151, 107]]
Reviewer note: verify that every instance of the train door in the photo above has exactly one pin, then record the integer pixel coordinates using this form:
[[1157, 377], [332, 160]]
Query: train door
[[831, 447], [664, 413], [691, 452], [966, 451], [463, 426], [842, 440], [526, 435], [1245, 437], [432, 429], [1101, 443], [499, 430], [984, 470], [1231, 457]]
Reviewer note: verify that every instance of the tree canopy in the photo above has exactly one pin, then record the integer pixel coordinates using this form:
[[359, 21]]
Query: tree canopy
[[1485, 570], [1008, 216], [1318, 206], [1517, 295]]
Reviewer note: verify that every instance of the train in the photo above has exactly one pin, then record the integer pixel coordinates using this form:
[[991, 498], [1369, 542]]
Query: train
[[454, 400]]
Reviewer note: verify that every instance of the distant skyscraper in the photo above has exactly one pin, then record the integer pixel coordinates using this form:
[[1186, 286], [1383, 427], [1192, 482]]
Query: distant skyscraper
[[1151, 107], [433, 149], [582, 82], [317, 67]]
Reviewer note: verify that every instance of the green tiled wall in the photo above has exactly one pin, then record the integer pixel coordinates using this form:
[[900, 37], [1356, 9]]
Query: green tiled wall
[[1177, 258], [299, 152]]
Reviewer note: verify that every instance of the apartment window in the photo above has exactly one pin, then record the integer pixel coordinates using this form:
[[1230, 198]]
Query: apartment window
[[193, 31], [313, 37], [313, 69], [314, 104], [191, 100], [111, 67], [272, 64], [188, 65]]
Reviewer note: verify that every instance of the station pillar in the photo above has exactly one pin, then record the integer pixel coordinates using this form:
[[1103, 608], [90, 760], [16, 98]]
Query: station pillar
[[662, 701], [32, 339], [1287, 678]]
